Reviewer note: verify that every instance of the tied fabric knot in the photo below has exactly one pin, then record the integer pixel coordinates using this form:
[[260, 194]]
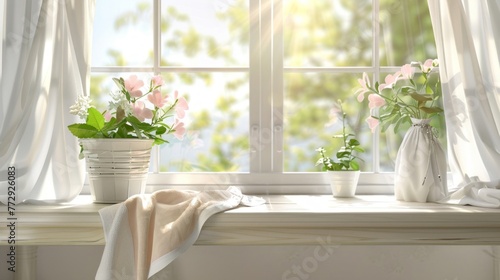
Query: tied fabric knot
[[428, 130], [147, 232]]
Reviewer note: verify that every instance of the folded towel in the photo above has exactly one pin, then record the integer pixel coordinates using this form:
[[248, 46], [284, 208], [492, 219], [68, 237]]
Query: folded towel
[[147, 232]]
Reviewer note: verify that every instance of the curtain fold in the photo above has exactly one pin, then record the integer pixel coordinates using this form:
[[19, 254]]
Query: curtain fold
[[467, 34], [46, 52]]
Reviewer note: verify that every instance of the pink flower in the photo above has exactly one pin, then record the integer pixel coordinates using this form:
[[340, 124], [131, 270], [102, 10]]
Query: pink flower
[[375, 101], [389, 81], [407, 71], [157, 99], [141, 112], [107, 116], [372, 123], [427, 66], [333, 116], [365, 84], [133, 86], [179, 129], [181, 106], [157, 81]]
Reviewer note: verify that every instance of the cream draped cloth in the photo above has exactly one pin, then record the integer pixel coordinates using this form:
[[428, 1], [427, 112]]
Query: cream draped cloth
[[147, 232]]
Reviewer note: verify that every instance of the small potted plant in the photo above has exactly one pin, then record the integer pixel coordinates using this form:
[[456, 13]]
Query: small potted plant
[[117, 142], [343, 170]]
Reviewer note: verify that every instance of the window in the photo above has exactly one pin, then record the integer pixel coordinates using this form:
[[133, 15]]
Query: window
[[261, 77]]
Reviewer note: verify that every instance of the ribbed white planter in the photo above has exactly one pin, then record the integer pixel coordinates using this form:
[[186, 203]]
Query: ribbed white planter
[[117, 168], [343, 183]]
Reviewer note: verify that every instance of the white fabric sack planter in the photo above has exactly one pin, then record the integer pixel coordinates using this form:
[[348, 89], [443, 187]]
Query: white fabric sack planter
[[420, 174], [117, 168], [343, 183]]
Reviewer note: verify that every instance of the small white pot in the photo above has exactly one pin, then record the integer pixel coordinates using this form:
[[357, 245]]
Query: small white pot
[[343, 183], [117, 168]]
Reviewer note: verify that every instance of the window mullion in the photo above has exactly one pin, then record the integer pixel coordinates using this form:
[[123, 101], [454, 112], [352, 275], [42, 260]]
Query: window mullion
[[155, 153], [157, 36], [277, 80], [376, 77], [255, 86], [266, 87]]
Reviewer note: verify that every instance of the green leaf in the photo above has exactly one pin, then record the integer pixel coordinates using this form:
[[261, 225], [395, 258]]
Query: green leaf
[[342, 154], [398, 124], [161, 130], [109, 125], [158, 140], [119, 82], [358, 149], [353, 142], [345, 164], [407, 90], [137, 131], [428, 90], [387, 122], [431, 110], [82, 130], [95, 118], [136, 123], [123, 130], [354, 165], [336, 166], [420, 97], [133, 120]]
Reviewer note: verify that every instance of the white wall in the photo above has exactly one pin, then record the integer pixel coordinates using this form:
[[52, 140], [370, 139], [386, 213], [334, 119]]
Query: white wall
[[286, 262]]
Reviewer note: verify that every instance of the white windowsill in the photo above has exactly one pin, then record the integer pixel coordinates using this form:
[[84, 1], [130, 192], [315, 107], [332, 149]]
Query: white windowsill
[[284, 220]]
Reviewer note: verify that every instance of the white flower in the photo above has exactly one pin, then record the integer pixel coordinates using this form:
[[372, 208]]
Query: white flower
[[119, 100], [81, 106], [321, 150]]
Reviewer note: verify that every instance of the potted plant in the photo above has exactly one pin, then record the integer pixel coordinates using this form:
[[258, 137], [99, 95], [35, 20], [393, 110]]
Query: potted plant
[[117, 142], [411, 98], [343, 170]]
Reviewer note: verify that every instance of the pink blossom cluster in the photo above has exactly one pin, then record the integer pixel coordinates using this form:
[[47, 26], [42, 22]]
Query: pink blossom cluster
[[375, 99], [139, 109]]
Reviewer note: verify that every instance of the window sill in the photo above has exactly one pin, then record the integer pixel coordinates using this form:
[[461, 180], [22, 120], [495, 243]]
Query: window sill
[[284, 220]]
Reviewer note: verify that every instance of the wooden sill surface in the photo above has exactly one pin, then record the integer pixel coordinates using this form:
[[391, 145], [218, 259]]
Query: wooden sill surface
[[283, 220]]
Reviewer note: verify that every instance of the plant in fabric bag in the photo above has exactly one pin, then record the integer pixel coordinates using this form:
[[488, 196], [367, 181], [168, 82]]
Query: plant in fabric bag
[[410, 99]]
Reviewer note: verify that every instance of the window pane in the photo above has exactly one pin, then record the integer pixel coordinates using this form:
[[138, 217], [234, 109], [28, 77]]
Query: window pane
[[326, 33], [312, 118], [405, 32], [205, 33], [123, 33], [217, 124]]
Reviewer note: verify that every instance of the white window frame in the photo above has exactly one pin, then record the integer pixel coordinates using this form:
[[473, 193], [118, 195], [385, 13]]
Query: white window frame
[[266, 173]]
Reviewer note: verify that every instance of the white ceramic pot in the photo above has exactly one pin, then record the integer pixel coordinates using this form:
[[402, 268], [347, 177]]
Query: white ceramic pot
[[343, 183], [117, 168]]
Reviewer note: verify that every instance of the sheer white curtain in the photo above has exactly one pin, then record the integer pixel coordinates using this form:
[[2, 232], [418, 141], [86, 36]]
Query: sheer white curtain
[[45, 65], [467, 35]]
